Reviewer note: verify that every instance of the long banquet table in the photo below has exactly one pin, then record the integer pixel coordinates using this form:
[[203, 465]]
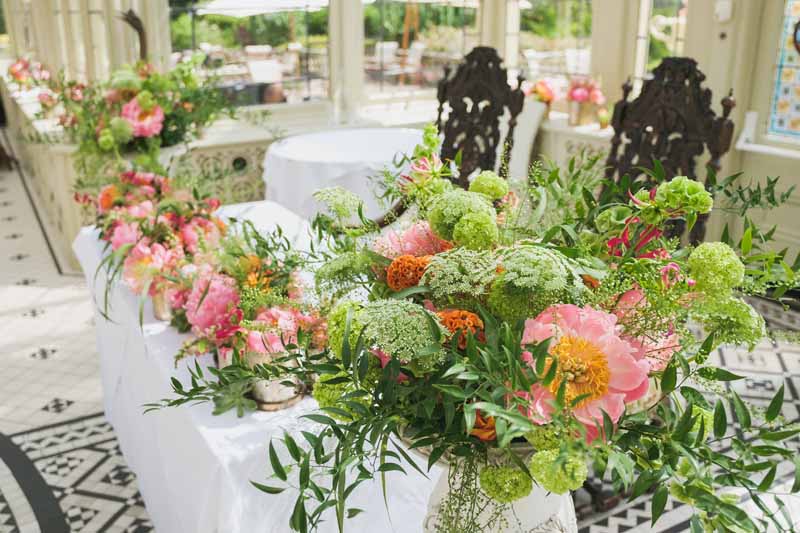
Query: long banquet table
[[194, 469]]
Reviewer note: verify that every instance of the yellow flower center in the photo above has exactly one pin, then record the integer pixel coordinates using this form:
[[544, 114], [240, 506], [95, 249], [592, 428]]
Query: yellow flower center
[[583, 367]]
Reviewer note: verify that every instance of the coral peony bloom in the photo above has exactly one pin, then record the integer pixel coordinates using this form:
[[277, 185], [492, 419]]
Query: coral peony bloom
[[592, 359], [144, 123], [212, 302], [264, 342], [125, 233], [417, 240]]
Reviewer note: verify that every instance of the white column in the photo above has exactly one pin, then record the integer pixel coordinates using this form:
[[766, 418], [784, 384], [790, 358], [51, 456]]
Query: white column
[[88, 41], [614, 29], [346, 56], [493, 25], [68, 41], [8, 9]]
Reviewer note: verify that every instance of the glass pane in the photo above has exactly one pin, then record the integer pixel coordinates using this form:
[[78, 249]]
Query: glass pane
[[261, 52], [555, 38], [666, 31], [784, 117], [407, 44]]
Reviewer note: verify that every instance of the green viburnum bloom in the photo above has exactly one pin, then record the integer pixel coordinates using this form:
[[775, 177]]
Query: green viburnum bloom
[[545, 437], [404, 330], [126, 79], [489, 184], [612, 220], [430, 142], [121, 129], [340, 202], [716, 268], [106, 140], [533, 279], [505, 484], [682, 193], [146, 100], [459, 273], [337, 321], [556, 477], [446, 210], [732, 320], [476, 231], [423, 192]]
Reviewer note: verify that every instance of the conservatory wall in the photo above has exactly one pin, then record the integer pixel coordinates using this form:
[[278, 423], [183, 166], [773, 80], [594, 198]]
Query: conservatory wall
[[339, 66]]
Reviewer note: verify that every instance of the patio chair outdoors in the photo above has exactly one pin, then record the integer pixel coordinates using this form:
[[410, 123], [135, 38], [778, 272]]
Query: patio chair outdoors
[[670, 121]]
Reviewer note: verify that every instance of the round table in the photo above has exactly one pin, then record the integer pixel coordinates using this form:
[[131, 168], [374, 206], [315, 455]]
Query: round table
[[297, 166]]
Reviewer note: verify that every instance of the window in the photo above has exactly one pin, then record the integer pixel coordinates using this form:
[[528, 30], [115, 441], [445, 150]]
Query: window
[[661, 33], [261, 52], [407, 44], [553, 37], [784, 119]]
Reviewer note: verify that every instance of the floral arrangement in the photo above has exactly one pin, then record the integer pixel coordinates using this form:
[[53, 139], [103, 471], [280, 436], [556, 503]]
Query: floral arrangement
[[237, 290], [542, 91], [26, 73], [518, 352], [585, 90], [137, 111]]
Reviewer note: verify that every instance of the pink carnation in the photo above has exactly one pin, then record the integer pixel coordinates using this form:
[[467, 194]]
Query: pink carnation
[[144, 123], [212, 302], [592, 359], [416, 240]]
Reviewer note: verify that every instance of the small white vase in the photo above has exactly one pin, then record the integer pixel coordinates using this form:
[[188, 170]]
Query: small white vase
[[161, 308], [272, 394]]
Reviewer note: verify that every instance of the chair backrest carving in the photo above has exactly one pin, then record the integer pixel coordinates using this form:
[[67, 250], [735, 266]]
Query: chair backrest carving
[[670, 121], [472, 100]]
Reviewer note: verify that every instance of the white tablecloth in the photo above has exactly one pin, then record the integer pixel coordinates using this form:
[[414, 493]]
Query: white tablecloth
[[194, 469], [297, 166]]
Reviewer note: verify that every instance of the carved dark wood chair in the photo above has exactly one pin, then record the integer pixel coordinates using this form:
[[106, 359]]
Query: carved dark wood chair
[[670, 121], [472, 101]]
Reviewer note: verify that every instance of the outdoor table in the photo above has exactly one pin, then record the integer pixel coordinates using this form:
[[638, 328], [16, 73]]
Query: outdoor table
[[296, 167]]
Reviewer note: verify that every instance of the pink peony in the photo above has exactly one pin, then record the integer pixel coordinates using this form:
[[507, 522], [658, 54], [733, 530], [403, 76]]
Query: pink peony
[[144, 123], [592, 359], [417, 240], [212, 302], [125, 233], [264, 342]]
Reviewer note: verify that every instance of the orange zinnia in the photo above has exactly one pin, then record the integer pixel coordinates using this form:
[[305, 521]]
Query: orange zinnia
[[590, 281], [459, 322], [406, 271], [484, 428]]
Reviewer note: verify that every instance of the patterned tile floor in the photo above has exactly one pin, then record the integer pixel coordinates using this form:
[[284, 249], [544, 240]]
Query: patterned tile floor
[[60, 465]]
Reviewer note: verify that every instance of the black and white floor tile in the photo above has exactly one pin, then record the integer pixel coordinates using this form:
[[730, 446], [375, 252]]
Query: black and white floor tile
[[61, 469]]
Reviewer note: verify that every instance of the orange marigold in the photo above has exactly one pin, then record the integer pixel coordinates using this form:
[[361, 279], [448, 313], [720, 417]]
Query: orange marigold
[[406, 271], [458, 321]]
